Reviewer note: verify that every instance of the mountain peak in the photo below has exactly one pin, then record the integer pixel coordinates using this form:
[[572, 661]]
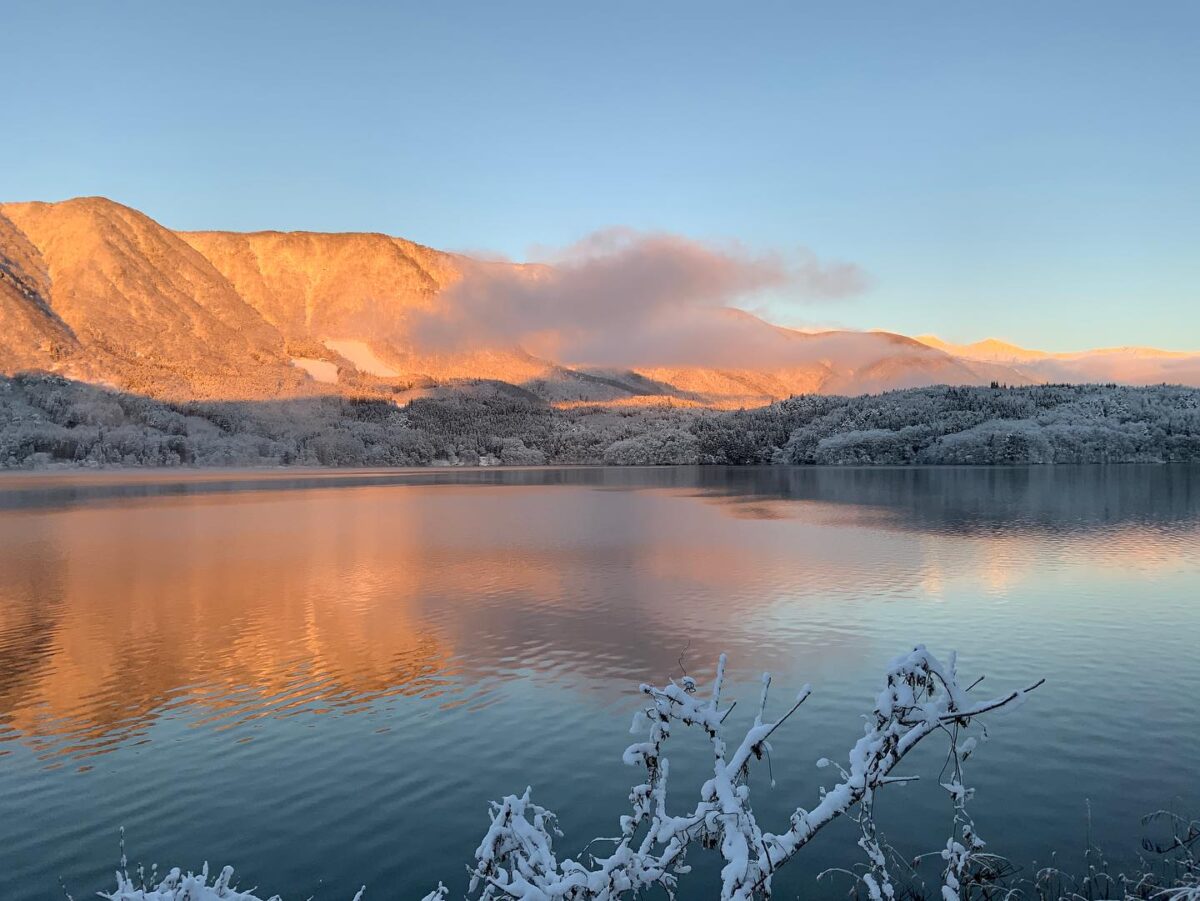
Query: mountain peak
[[97, 290]]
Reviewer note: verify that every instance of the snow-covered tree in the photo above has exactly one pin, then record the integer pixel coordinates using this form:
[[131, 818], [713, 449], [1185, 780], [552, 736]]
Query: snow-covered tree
[[920, 697]]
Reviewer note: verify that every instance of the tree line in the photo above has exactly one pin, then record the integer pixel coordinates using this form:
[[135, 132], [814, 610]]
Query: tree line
[[46, 420]]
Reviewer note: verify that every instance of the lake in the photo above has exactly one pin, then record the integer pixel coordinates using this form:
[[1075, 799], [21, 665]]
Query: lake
[[322, 678]]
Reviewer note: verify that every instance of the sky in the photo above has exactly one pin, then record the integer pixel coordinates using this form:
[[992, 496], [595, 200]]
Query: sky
[[1021, 170]]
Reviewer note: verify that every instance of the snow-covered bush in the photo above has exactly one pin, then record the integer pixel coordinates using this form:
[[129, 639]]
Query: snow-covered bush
[[996, 441], [920, 697], [670, 447], [180, 886], [49, 420], [867, 446], [952, 425], [513, 452]]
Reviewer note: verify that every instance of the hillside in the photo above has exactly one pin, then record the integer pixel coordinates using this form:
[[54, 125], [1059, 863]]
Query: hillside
[[1123, 365], [46, 420], [99, 292]]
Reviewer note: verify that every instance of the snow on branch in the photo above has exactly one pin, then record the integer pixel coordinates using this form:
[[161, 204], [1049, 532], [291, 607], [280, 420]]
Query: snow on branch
[[920, 696], [517, 858]]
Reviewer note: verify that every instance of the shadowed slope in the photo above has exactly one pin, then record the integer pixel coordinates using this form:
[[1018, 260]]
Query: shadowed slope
[[31, 334]]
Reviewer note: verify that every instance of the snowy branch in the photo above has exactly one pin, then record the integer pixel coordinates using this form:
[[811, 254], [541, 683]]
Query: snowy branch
[[920, 696]]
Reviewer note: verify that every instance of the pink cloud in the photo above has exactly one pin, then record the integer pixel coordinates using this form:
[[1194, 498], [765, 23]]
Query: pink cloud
[[620, 297]]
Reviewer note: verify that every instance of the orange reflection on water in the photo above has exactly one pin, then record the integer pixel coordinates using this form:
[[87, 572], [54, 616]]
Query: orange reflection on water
[[128, 612], [271, 602]]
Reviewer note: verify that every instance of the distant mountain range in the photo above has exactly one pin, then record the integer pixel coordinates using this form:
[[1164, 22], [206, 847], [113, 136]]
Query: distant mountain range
[[100, 292], [1123, 365]]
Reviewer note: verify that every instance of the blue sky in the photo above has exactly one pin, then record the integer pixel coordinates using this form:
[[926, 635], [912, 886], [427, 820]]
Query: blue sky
[[1026, 170]]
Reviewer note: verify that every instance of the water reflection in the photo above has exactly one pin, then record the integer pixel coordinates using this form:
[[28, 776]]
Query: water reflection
[[929, 498], [972, 499], [285, 649], [123, 599]]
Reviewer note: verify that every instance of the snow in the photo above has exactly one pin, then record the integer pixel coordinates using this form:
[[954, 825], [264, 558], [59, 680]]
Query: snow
[[180, 886], [920, 697], [47, 420], [318, 370], [360, 354], [516, 858]]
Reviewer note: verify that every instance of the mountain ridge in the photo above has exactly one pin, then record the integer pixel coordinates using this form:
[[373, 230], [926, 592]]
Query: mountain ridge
[[99, 291], [1130, 364]]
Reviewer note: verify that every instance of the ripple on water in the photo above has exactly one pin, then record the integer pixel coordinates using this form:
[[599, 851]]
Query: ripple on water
[[298, 677]]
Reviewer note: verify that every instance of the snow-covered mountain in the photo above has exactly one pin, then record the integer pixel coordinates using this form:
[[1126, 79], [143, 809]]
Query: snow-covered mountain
[[97, 291], [1124, 365]]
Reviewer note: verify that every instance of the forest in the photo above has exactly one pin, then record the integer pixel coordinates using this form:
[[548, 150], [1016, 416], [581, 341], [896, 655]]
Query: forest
[[49, 421]]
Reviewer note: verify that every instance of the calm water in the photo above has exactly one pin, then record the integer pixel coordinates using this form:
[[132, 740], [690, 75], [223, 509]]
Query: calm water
[[322, 679]]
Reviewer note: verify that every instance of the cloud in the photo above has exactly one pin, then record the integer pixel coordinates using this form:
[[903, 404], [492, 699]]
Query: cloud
[[620, 297], [834, 280]]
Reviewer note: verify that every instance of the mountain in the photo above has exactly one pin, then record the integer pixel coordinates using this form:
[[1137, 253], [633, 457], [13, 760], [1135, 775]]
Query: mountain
[[113, 296], [100, 292], [31, 332], [1123, 365]]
